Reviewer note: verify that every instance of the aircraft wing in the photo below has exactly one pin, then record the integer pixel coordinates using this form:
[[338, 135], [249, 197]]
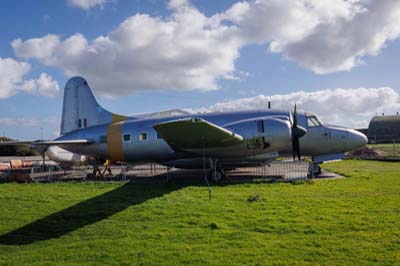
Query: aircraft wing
[[195, 133], [46, 142], [63, 142]]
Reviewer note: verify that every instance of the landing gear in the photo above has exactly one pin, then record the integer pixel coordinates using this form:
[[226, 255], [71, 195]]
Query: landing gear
[[217, 175], [314, 169]]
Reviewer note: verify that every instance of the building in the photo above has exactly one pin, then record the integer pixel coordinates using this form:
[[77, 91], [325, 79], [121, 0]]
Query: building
[[384, 129]]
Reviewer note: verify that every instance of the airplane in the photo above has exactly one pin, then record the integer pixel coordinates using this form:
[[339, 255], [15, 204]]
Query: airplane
[[214, 141]]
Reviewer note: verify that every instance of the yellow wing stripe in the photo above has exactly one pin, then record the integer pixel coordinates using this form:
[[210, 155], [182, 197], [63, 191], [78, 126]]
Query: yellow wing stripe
[[117, 118], [114, 141]]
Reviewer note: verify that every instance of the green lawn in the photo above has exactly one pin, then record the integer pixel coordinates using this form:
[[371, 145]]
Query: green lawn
[[348, 221]]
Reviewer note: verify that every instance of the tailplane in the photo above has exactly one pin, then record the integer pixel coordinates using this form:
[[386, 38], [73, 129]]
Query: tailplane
[[80, 108]]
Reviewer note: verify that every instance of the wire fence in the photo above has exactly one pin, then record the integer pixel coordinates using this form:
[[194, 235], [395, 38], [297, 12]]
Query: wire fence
[[390, 150], [155, 173]]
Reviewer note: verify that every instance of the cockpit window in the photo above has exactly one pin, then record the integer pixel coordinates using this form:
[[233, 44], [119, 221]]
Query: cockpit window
[[313, 121]]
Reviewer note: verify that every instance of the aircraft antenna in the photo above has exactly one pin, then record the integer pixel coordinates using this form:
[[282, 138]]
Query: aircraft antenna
[[204, 168]]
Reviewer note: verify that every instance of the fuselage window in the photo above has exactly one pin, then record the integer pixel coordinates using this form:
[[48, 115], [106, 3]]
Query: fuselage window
[[158, 136], [127, 137], [143, 136], [103, 139]]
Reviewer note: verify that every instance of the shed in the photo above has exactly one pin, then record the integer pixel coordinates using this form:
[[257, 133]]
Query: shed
[[384, 129]]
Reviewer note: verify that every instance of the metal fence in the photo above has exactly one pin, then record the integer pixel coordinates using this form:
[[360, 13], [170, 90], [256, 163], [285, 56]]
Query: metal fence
[[275, 170], [155, 173], [381, 151]]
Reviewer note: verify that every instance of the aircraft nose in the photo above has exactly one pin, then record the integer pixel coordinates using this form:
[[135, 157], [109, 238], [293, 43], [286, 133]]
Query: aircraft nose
[[356, 139]]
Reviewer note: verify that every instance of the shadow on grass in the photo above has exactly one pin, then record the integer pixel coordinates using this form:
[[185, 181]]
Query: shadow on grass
[[84, 213], [100, 207]]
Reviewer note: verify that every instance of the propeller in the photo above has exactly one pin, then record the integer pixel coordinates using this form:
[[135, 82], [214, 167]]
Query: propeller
[[297, 133]]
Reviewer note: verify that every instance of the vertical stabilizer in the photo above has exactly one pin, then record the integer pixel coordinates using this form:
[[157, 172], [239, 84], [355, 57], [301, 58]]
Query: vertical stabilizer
[[80, 108]]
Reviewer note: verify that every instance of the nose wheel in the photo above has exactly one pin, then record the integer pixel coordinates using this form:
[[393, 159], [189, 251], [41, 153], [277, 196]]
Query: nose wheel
[[314, 169]]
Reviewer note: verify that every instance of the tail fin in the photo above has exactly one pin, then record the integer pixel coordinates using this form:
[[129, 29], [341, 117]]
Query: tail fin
[[80, 108]]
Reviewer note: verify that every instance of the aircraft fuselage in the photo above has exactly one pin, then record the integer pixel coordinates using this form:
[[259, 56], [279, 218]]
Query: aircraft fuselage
[[266, 134]]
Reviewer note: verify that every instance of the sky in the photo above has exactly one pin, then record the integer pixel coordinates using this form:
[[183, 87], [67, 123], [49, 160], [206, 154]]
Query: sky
[[337, 58]]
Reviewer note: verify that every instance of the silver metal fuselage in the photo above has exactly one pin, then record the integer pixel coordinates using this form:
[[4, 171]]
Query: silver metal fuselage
[[319, 140]]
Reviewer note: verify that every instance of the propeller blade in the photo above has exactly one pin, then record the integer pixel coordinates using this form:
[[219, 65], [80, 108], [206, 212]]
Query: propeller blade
[[297, 133], [295, 116], [296, 148]]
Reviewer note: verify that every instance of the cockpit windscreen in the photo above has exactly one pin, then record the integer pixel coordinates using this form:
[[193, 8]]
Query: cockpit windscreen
[[313, 120]]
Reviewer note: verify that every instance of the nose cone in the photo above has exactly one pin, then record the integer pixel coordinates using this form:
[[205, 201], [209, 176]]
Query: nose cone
[[356, 139], [299, 131]]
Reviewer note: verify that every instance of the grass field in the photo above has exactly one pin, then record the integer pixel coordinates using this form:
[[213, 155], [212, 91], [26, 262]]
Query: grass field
[[349, 221]]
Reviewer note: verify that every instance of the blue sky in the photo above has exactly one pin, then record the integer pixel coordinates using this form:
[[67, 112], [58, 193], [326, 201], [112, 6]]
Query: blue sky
[[251, 70]]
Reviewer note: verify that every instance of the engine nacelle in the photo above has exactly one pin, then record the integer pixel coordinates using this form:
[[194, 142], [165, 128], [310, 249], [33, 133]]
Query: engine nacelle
[[58, 154], [278, 133], [270, 134]]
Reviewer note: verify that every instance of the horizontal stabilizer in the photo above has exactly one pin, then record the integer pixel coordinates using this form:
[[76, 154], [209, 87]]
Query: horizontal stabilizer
[[46, 142], [15, 143], [195, 133]]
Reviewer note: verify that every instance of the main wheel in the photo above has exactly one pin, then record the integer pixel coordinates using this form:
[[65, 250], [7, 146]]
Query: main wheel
[[217, 176]]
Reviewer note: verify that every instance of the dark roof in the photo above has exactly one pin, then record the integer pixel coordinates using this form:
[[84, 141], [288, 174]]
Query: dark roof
[[385, 119], [384, 128]]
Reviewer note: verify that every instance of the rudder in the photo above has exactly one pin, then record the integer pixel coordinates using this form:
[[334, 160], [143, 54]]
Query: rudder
[[81, 109]]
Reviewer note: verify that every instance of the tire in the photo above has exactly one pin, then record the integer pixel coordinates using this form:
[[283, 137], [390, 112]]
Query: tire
[[217, 176], [315, 170]]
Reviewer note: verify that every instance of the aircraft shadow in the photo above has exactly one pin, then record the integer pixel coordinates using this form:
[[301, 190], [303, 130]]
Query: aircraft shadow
[[102, 206], [84, 213]]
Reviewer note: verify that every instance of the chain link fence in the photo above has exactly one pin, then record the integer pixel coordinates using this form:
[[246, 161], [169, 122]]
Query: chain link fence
[[389, 150], [155, 173]]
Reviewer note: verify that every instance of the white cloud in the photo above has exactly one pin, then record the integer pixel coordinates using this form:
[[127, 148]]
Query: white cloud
[[42, 48], [174, 4], [341, 45], [47, 86], [44, 85], [86, 4], [43, 127], [12, 80], [7, 121], [29, 86], [12, 73], [180, 52], [324, 36], [188, 50], [334, 106]]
